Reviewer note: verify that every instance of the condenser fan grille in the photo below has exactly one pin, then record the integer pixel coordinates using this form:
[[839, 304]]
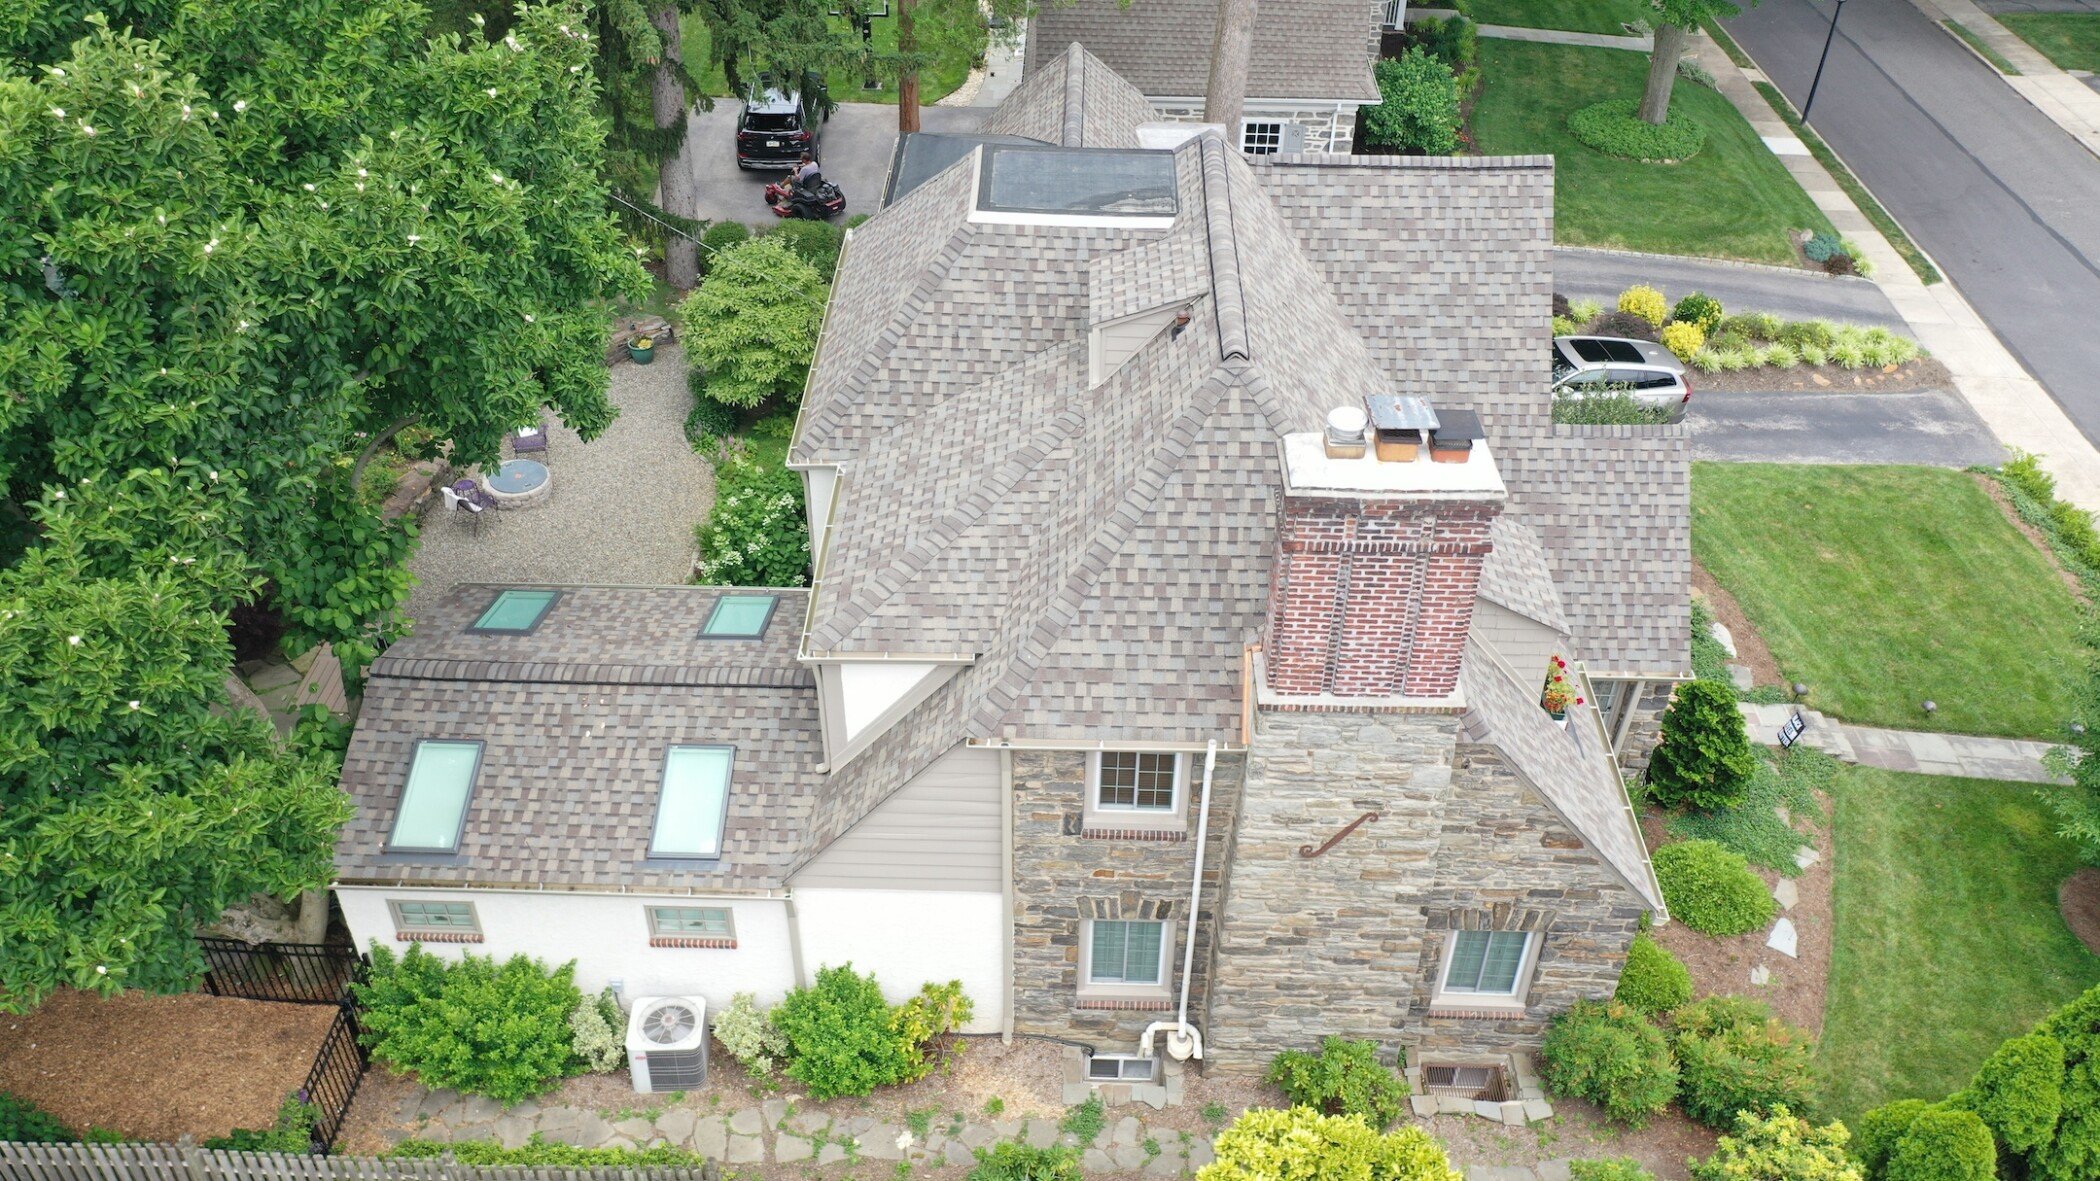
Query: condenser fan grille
[[669, 1024]]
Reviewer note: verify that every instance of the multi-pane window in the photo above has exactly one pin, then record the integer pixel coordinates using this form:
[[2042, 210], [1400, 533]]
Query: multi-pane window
[[435, 917], [695, 802], [707, 922], [1126, 952], [739, 616], [1261, 137], [434, 802], [1141, 781], [1486, 961], [516, 612]]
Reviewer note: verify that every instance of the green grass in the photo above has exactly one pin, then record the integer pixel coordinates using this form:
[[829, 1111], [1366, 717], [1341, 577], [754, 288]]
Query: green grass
[[1861, 198], [934, 84], [1733, 200], [2070, 39], [1983, 47], [1881, 587], [1948, 939], [1575, 16]]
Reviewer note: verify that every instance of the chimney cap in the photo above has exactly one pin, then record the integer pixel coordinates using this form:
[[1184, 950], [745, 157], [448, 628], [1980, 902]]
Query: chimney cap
[[1458, 425], [1401, 412], [1346, 420]]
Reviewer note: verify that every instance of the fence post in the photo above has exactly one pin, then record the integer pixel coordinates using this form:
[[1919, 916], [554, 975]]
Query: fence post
[[193, 1159]]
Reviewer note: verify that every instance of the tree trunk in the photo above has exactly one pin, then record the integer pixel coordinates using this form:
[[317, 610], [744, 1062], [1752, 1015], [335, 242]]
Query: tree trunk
[[1662, 73], [908, 73], [313, 916], [1231, 49], [678, 190]]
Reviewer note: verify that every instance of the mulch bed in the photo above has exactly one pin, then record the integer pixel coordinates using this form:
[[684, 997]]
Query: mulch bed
[[1925, 373], [160, 1067], [1579, 1130], [2079, 898]]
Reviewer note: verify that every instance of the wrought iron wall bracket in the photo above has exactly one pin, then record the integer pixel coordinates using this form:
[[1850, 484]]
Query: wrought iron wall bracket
[[1308, 852]]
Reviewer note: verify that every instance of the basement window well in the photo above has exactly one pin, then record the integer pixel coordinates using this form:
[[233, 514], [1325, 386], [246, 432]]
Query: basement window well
[[1121, 1068], [1484, 1083]]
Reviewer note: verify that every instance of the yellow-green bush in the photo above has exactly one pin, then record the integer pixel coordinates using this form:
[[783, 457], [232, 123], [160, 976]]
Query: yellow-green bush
[[1684, 339], [1303, 1145], [1646, 302], [1781, 1147]]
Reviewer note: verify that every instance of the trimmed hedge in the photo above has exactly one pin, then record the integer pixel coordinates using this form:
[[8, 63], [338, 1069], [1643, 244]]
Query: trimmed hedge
[[2018, 1092], [1612, 127], [1712, 890], [1733, 1057], [1945, 1144], [1654, 981], [1611, 1055]]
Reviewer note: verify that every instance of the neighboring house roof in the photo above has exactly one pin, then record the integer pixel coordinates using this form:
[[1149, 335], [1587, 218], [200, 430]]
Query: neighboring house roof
[[577, 718], [1069, 97], [1303, 49]]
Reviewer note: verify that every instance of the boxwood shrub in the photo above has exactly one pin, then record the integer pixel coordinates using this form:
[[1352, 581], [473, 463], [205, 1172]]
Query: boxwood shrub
[[1733, 1056], [1654, 981], [1712, 890], [1344, 1078], [1875, 1136], [2018, 1091], [1612, 127], [477, 1026], [1944, 1144], [1611, 1055]]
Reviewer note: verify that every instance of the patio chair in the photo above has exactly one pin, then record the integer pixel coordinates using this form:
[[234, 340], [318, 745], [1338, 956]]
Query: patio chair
[[454, 502], [528, 439]]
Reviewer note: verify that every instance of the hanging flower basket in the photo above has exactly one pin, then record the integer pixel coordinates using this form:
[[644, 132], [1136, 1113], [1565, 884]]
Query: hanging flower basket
[[1559, 692], [641, 350]]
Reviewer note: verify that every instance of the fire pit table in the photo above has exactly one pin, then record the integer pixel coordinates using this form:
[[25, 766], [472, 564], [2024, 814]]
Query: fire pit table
[[519, 483]]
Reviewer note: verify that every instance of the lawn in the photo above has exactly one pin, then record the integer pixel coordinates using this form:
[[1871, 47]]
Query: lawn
[[1948, 939], [1732, 200], [934, 84], [1576, 16], [1881, 587], [2070, 39]]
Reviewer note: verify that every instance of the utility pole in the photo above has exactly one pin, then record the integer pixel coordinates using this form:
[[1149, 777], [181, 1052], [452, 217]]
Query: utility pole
[[1827, 39]]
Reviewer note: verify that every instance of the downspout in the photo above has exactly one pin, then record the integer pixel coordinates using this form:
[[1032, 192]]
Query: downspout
[[1006, 886], [1185, 1042], [794, 925]]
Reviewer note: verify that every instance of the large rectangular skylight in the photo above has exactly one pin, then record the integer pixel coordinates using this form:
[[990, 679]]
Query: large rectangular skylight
[[516, 612], [1078, 182], [739, 616], [434, 801], [695, 801]]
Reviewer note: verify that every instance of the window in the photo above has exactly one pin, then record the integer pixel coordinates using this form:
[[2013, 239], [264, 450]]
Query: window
[[706, 922], [1123, 1068], [1139, 781], [1126, 952], [1486, 961], [434, 804], [695, 800], [515, 612], [435, 918], [740, 617], [1261, 137]]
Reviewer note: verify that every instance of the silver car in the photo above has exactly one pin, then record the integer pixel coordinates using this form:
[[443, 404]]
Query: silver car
[[1588, 365]]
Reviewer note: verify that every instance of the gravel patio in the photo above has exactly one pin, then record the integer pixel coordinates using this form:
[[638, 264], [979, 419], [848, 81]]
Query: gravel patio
[[622, 508]]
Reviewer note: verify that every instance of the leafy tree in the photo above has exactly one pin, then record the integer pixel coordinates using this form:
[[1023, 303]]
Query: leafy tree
[[1304, 1145], [1704, 759], [1420, 107], [752, 324], [1674, 22]]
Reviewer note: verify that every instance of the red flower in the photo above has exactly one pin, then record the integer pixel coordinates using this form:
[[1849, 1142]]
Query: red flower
[[1578, 701]]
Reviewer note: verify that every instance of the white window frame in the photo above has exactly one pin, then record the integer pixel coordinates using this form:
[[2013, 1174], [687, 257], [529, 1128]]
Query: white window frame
[[1124, 989], [1127, 816], [1448, 997], [1249, 124], [396, 910], [657, 931]]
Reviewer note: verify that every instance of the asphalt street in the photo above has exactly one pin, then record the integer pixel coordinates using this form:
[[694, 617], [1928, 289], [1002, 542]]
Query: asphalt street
[[1797, 295], [2004, 200], [1933, 427]]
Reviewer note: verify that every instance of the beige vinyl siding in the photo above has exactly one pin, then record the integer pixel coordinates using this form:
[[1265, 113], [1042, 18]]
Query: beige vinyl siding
[[1523, 643], [1119, 340], [938, 832]]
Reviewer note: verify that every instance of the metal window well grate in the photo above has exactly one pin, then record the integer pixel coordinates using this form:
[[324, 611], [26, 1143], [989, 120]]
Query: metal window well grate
[[1485, 1083]]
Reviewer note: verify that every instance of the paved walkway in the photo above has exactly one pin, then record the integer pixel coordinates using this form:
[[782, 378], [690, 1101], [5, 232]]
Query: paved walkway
[[1964, 755], [2064, 97], [1563, 37]]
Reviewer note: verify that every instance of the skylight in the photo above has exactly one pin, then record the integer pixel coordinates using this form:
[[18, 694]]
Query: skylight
[[516, 612], [740, 616], [1078, 182], [695, 800], [434, 802]]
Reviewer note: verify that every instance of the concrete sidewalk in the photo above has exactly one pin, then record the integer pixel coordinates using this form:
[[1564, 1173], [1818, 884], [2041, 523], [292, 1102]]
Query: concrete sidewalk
[[1920, 752], [2065, 98], [1561, 37]]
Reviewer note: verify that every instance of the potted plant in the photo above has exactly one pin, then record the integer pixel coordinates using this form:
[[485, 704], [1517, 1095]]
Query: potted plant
[[1559, 692], [641, 350]]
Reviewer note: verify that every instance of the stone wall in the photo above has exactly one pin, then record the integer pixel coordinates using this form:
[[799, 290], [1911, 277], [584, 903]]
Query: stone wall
[[1062, 878], [1326, 130], [1646, 728]]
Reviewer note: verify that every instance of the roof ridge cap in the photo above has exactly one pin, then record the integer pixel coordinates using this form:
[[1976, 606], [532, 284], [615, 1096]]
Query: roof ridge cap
[[1075, 96], [1228, 296]]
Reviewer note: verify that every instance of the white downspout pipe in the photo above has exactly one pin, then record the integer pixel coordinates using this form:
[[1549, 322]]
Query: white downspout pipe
[[1186, 1042]]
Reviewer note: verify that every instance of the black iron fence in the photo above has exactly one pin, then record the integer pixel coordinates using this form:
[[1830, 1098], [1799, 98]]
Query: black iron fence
[[297, 973], [331, 1086]]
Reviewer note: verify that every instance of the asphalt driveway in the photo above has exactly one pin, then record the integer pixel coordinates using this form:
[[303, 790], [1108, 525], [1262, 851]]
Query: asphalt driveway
[[1932, 427], [1579, 272], [855, 151]]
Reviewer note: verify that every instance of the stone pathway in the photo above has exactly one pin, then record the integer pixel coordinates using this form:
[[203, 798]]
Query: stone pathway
[[1965, 755], [1562, 37]]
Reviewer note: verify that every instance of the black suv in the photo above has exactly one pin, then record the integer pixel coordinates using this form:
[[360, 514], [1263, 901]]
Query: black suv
[[777, 125]]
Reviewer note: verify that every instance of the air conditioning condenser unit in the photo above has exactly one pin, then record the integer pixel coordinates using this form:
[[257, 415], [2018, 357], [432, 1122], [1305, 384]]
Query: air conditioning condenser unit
[[667, 1043]]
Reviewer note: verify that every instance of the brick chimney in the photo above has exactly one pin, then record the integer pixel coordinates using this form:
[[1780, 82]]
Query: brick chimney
[[1378, 560]]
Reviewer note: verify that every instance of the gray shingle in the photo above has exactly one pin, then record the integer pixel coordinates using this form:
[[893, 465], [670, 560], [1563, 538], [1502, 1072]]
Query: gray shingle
[[1303, 49]]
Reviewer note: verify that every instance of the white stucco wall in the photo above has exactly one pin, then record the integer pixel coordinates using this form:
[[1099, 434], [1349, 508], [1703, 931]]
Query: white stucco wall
[[908, 937], [608, 937]]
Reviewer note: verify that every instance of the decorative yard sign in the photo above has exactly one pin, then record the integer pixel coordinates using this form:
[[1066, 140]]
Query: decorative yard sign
[[1793, 730]]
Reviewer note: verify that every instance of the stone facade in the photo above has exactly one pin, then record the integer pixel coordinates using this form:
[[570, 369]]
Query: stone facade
[[1063, 876], [1330, 128], [1645, 730]]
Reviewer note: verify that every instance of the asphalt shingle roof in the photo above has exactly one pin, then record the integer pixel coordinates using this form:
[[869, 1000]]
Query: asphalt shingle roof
[[1303, 49]]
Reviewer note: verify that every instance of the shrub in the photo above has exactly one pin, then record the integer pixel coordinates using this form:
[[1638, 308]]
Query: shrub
[[1804, 333], [1624, 324], [1304, 1145], [1653, 981], [1611, 1055], [1613, 128], [1084, 1121], [1733, 1056], [1704, 757], [538, 1151], [500, 1030], [1821, 248], [926, 1018], [2018, 1091], [840, 1038], [1712, 890], [1645, 302], [814, 242], [857, 220], [1582, 311], [1609, 410], [1456, 43], [1944, 1144], [1617, 1168], [1419, 110], [1692, 71], [1683, 339], [1754, 829], [752, 323], [1344, 1078], [755, 534], [1011, 1160], [1880, 1129], [1812, 354], [1698, 308], [710, 422], [2074, 1151], [1779, 1147], [597, 1033], [1562, 326], [292, 1134], [21, 1120], [750, 1038], [1778, 356], [719, 237]]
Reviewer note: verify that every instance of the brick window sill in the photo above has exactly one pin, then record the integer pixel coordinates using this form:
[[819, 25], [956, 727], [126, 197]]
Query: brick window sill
[[1480, 1012], [1092, 833], [1127, 1004], [437, 936], [692, 941]]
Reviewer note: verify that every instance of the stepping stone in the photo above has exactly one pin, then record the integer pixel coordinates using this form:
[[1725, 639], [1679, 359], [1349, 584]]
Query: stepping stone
[[958, 1153], [641, 1131], [1781, 811], [774, 1110], [1784, 939], [978, 1135], [1424, 1105], [1556, 1170], [1743, 679], [747, 1122], [1760, 975], [1536, 1110], [1201, 1154], [562, 1124], [880, 1142], [1096, 1161], [512, 1131], [592, 1132], [1722, 636], [809, 1123], [1787, 893], [710, 1138], [745, 1150], [1499, 1173], [479, 1109], [1128, 1157], [1806, 856], [676, 1125], [1039, 1133], [1126, 1131], [1167, 1164], [831, 1154], [788, 1147]]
